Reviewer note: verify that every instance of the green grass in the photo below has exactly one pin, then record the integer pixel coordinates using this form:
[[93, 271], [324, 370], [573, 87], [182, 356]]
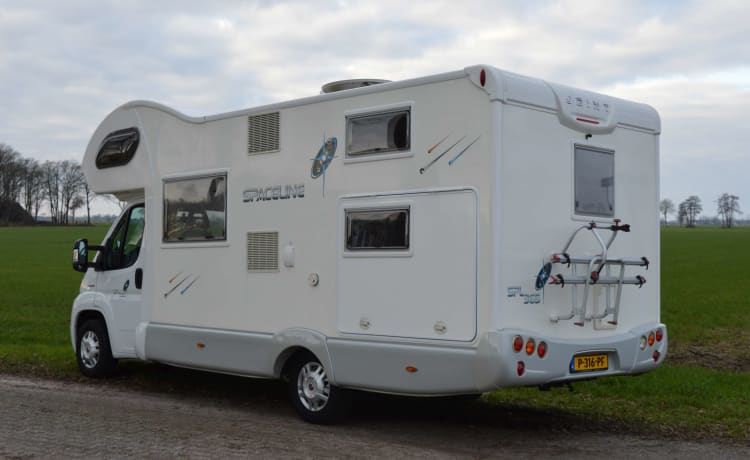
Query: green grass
[[702, 390], [37, 288]]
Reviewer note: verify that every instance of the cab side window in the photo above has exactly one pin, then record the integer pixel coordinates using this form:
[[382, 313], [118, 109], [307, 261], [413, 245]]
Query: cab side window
[[124, 245]]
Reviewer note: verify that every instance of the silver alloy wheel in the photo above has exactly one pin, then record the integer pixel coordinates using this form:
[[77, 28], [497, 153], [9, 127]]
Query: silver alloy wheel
[[89, 349], [313, 388]]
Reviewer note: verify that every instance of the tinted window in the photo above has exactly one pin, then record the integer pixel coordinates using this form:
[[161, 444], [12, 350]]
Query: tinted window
[[124, 245], [594, 182], [118, 148], [195, 209], [384, 229], [378, 133]]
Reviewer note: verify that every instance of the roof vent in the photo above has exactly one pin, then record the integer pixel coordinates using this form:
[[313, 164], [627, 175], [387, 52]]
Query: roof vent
[[350, 84]]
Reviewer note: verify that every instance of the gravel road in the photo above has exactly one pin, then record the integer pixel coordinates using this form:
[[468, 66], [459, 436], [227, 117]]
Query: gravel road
[[42, 418]]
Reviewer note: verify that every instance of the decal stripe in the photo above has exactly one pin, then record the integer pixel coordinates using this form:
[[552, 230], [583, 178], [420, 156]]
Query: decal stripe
[[166, 294], [453, 160], [188, 286], [422, 170], [439, 142]]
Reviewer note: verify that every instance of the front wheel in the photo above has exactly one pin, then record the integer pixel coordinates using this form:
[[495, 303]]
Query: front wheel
[[312, 395], [94, 354]]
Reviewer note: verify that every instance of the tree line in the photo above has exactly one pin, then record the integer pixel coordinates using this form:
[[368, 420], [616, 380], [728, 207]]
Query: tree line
[[60, 185], [727, 208]]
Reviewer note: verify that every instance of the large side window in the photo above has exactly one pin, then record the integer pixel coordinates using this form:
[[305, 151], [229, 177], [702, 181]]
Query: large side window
[[377, 229], [195, 209], [124, 245], [375, 133], [594, 181]]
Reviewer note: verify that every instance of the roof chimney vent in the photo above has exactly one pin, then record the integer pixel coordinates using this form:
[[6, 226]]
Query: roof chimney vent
[[350, 84]]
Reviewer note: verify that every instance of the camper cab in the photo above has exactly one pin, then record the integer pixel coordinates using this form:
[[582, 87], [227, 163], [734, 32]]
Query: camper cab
[[453, 234]]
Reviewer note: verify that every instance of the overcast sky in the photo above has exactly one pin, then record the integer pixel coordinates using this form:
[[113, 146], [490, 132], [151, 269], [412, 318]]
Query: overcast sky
[[65, 65]]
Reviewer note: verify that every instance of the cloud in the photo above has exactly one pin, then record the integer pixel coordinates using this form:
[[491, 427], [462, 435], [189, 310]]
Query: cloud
[[64, 67]]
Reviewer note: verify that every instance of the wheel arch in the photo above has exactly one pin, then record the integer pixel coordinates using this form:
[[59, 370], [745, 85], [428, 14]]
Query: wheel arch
[[290, 342], [83, 315]]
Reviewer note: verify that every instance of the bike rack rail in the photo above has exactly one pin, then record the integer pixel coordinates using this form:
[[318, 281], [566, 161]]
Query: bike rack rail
[[593, 275]]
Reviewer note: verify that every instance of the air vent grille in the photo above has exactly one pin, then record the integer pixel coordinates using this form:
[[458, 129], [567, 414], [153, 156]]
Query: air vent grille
[[263, 133], [263, 251]]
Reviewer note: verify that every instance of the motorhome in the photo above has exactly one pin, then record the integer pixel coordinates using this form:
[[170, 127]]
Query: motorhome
[[453, 234]]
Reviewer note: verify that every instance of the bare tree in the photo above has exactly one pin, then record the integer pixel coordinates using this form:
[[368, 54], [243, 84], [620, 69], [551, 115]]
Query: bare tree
[[689, 210], [10, 183], [727, 206], [666, 206], [51, 184], [71, 182]]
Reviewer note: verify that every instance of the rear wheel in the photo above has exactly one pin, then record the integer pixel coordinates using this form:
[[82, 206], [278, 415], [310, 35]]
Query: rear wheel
[[311, 393], [94, 354]]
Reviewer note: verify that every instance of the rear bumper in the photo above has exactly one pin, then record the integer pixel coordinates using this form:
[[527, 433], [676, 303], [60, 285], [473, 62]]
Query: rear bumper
[[624, 352]]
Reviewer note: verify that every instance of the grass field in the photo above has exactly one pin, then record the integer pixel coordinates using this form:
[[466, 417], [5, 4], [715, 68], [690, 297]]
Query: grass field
[[703, 390]]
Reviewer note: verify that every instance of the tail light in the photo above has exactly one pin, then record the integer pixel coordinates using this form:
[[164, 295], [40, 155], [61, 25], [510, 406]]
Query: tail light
[[530, 346], [541, 349], [517, 343], [656, 355], [659, 334], [520, 368], [650, 338]]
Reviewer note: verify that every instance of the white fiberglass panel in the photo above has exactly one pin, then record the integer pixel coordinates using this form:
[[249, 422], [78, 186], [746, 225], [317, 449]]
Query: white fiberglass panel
[[424, 289]]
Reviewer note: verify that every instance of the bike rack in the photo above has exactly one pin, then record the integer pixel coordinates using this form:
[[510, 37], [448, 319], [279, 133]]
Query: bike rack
[[593, 276]]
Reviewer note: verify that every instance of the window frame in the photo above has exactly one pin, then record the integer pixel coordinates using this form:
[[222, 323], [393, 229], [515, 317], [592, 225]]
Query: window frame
[[601, 149], [408, 208], [123, 223], [121, 158], [195, 242], [406, 106]]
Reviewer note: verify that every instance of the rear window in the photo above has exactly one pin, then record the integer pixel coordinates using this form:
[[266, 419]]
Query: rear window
[[594, 181]]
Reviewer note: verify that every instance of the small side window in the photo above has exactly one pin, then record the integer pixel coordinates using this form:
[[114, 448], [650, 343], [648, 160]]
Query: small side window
[[377, 229], [377, 133], [118, 148], [594, 181], [195, 209]]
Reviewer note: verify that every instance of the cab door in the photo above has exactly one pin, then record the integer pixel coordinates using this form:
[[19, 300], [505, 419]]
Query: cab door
[[120, 280]]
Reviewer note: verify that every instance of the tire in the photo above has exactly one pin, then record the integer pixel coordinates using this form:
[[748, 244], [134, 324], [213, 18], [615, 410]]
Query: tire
[[311, 395], [93, 351]]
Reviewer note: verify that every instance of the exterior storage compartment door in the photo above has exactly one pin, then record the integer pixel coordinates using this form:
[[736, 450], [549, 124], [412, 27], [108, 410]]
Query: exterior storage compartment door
[[407, 265]]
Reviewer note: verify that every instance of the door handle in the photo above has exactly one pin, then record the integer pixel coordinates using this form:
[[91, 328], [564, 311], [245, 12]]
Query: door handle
[[138, 278]]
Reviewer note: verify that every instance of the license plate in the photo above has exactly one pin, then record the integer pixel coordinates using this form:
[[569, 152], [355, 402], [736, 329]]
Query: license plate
[[585, 363]]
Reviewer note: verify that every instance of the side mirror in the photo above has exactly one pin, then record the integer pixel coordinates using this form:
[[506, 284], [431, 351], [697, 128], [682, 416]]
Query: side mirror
[[81, 255]]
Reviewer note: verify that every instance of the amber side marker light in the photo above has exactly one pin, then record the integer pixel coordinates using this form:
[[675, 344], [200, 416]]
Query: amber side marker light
[[200, 345], [411, 369]]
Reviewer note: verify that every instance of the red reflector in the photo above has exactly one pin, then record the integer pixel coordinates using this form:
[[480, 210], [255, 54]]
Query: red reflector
[[650, 338], [656, 355], [586, 120], [541, 350], [517, 343], [520, 368], [530, 345], [659, 335], [482, 78]]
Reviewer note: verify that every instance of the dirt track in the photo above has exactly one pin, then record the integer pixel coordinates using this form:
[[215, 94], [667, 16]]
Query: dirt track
[[41, 418]]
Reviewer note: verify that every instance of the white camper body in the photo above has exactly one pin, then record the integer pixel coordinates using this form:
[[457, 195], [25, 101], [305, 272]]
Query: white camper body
[[393, 231]]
